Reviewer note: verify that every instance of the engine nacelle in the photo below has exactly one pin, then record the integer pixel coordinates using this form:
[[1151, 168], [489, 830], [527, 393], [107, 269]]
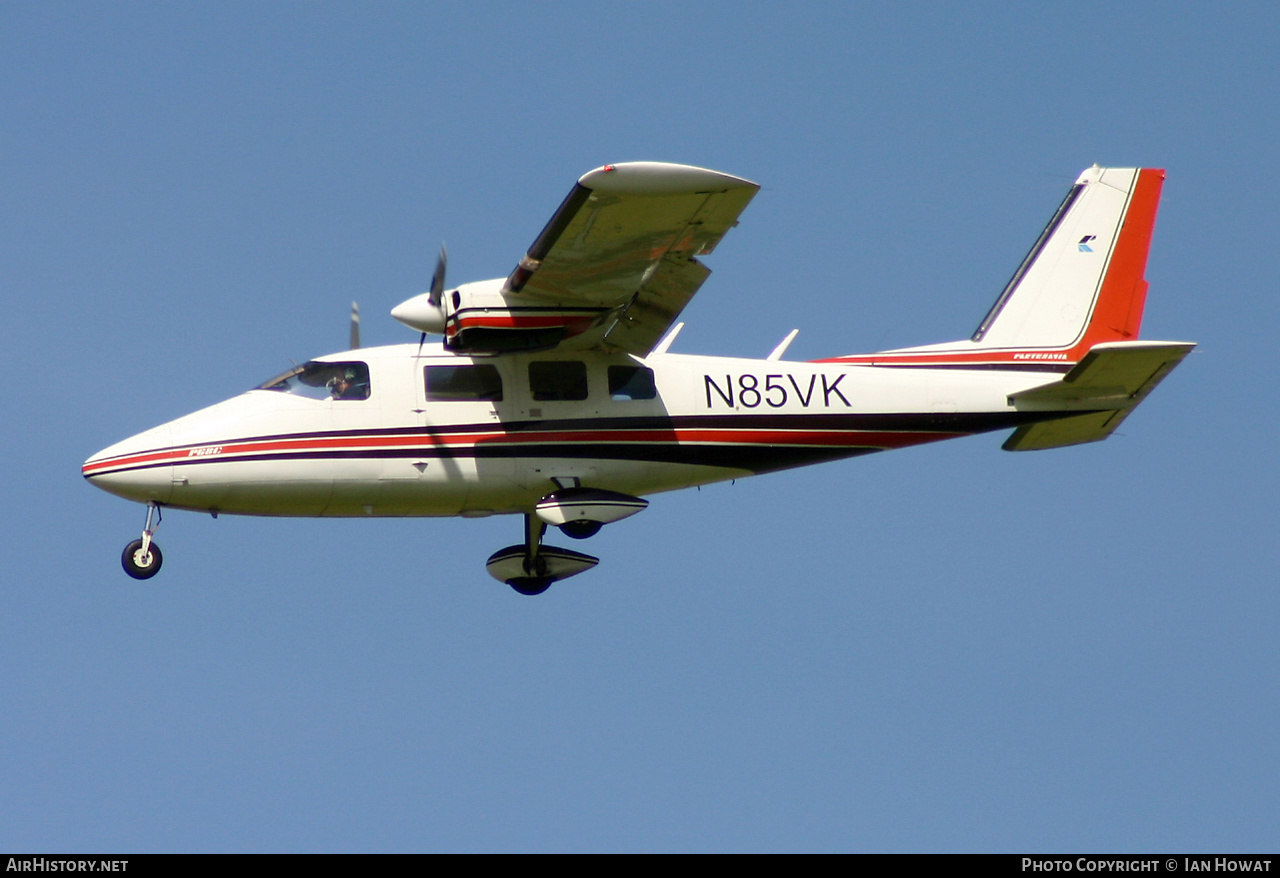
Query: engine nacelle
[[483, 317]]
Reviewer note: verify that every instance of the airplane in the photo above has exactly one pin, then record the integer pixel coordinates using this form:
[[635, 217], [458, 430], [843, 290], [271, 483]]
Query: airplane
[[553, 394]]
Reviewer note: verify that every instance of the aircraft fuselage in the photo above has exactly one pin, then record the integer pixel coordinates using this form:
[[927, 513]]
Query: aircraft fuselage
[[437, 433]]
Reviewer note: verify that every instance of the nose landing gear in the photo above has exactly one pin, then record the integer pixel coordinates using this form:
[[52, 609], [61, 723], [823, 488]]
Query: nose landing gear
[[142, 558]]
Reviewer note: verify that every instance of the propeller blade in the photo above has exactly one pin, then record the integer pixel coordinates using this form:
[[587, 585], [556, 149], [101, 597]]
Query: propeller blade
[[355, 326], [437, 279]]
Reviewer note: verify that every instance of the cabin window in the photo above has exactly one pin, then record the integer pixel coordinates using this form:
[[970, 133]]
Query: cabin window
[[317, 380], [631, 382], [558, 380], [463, 383]]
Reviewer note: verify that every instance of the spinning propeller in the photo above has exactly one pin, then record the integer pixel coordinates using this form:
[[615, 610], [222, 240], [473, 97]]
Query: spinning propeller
[[427, 312], [437, 278]]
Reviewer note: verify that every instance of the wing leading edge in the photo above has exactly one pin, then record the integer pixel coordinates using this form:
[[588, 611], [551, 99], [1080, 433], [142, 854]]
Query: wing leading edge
[[626, 239]]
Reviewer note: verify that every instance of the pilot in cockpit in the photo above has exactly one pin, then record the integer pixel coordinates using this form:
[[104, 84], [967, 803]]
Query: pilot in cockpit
[[344, 386]]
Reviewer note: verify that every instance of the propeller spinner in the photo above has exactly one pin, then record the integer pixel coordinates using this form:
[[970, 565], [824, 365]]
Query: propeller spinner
[[426, 312]]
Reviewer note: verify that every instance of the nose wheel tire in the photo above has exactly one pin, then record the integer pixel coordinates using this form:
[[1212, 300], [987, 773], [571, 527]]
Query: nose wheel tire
[[141, 565]]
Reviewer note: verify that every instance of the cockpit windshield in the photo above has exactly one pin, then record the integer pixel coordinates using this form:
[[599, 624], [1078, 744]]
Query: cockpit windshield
[[317, 380]]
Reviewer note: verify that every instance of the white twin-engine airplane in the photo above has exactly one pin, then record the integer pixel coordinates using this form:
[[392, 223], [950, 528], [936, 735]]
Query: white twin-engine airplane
[[553, 394]]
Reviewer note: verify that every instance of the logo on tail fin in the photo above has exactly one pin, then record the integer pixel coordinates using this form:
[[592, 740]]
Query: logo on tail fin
[[1084, 243]]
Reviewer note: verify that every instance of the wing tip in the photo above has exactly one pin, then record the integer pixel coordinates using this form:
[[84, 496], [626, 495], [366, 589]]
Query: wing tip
[[659, 178]]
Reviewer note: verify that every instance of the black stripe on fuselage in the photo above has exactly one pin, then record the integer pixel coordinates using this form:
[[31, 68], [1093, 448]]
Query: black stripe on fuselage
[[754, 457], [751, 458], [931, 422]]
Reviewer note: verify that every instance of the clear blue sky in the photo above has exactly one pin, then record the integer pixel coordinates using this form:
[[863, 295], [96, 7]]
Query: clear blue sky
[[945, 648]]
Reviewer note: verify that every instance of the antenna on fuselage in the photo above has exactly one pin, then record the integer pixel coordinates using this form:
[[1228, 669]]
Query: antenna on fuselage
[[783, 345], [355, 326], [661, 346]]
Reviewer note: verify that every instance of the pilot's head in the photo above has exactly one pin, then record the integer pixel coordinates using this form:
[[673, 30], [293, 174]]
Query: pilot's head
[[338, 385]]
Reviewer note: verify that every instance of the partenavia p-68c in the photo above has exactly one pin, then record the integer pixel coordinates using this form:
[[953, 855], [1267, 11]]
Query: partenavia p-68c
[[553, 394]]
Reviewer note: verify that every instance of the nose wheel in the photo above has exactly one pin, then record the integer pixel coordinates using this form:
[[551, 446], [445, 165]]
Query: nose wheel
[[142, 558], [141, 561]]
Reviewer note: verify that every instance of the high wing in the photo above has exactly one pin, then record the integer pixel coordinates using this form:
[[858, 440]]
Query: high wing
[[625, 239]]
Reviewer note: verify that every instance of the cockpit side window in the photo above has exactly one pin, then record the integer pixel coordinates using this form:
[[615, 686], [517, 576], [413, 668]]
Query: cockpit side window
[[463, 383], [317, 380]]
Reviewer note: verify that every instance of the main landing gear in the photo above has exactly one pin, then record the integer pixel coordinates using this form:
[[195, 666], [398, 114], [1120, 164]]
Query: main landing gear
[[531, 567], [142, 558], [579, 513]]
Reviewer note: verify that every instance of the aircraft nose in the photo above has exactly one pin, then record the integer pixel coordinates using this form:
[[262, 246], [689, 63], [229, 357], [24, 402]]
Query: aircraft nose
[[139, 468]]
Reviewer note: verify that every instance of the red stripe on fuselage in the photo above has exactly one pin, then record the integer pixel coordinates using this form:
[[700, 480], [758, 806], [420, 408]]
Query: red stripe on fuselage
[[229, 451]]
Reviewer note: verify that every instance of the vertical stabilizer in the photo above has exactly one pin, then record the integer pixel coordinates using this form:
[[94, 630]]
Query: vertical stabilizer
[[1082, 283], [1083, 279]]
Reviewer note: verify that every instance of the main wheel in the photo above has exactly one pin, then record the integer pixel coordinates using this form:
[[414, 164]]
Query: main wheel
[[139, 565], [530, 585], [581, 528]]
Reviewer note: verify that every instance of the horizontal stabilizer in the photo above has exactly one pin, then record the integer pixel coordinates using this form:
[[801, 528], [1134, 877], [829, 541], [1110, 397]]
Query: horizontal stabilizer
[[1107, 384], [1075, 430]]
